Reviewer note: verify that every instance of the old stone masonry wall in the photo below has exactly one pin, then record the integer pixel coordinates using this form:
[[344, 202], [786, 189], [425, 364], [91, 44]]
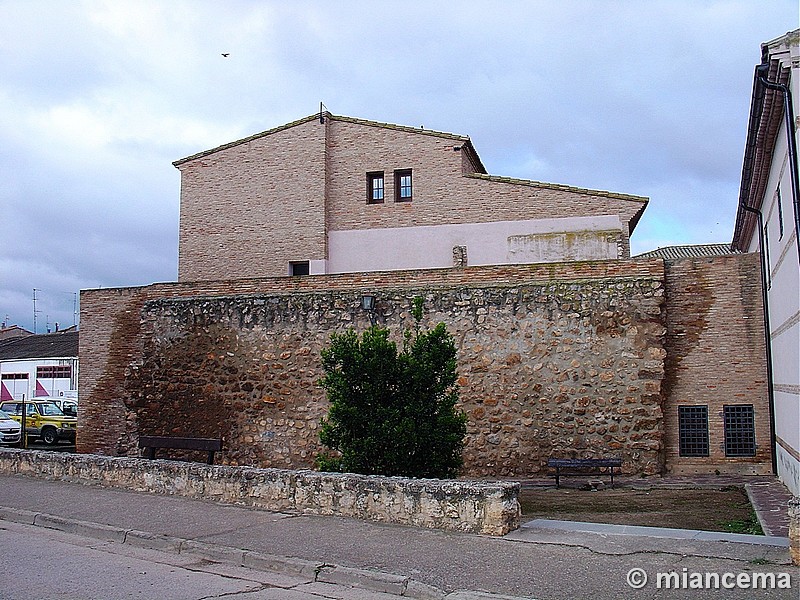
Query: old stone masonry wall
[[566, 368]]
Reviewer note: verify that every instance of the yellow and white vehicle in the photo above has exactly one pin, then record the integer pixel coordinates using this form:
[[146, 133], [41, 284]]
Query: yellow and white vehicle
[[43, 420]]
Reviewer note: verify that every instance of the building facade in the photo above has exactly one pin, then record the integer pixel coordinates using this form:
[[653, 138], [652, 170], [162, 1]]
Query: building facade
[[768, 222], [39, 366], [332, 194]]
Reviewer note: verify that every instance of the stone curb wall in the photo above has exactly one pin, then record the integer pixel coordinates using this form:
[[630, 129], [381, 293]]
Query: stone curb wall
[[490, 508]]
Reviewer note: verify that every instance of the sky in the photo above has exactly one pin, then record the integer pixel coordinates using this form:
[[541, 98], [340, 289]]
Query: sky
[[97, 99]]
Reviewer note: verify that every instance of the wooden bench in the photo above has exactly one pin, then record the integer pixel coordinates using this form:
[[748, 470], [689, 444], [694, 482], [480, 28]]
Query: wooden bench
[[152, 442], [584, 464]]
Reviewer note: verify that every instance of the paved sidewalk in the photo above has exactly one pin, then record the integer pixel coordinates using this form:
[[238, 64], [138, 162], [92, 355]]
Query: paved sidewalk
[[534, 562]]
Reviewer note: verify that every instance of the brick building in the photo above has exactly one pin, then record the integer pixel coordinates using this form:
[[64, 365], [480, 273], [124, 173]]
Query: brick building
[[332, 194]]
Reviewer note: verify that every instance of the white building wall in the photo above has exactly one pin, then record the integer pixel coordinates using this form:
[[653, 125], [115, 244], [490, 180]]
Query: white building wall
[[54, 387], [784, 308], [499, 242]]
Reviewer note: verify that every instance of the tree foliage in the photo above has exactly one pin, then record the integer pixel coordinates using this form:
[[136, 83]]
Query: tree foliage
[[393, 413]]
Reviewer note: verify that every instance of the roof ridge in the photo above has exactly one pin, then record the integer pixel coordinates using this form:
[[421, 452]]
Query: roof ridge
[[342, 118], [559, 186], [407, 128]]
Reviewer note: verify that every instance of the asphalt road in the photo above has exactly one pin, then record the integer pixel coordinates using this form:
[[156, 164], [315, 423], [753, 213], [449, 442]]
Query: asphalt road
[[43, 563]]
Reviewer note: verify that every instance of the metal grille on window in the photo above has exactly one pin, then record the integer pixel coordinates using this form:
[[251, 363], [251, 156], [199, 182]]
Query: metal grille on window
[[740, 430], [693, 430]]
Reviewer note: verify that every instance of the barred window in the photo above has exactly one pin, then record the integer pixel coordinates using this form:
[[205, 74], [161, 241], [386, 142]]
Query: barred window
[[15, 376], [693, 430], [740, 430], [54, 372]]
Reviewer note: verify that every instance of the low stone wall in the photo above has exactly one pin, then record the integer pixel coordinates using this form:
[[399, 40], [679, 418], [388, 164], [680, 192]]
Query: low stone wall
[[490, 508]]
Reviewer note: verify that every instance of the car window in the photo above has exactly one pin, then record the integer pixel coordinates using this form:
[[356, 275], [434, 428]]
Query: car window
[[12, 408], [4, 415], [48, 409], [30, 410]]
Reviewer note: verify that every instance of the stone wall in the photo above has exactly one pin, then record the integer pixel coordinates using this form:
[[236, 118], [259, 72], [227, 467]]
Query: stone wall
[[490, 508], [715, 356], [554, 360]]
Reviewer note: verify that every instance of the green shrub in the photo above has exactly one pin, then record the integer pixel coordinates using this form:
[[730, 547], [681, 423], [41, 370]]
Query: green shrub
[[393, 413]]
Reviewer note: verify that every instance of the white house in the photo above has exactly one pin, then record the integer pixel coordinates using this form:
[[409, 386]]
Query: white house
[[768, 221]]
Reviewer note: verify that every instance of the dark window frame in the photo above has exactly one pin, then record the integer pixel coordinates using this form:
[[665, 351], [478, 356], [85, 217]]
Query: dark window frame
[[693, 430], [374, 190], [299, 268], [8, 376], [740, 430], [403, 192]]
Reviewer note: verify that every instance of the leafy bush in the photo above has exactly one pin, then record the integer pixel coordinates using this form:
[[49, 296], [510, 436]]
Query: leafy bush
[[393, 413]]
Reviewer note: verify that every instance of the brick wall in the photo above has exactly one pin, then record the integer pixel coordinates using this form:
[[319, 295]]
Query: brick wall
[[554, 360], [715, 355], [253, 207], [442, 194]]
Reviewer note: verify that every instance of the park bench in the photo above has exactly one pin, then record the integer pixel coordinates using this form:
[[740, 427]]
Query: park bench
[[151, 443], [605, 466]]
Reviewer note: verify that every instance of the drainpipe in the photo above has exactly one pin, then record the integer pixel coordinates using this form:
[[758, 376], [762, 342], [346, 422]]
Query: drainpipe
[[788, 112], [767, 336]]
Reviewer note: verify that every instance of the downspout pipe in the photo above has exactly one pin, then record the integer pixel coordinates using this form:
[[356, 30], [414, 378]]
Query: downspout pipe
[[767, 336], [788, 112]]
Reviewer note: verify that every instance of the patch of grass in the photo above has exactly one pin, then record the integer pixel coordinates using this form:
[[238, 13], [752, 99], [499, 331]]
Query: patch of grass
[[748, 525]]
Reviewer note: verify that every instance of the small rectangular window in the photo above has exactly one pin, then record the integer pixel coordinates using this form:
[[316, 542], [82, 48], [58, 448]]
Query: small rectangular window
[[693, 430], [402, 185], [375, 187], [56, 372], [299, 268], [780, 213], [740, 430], [15, 376]]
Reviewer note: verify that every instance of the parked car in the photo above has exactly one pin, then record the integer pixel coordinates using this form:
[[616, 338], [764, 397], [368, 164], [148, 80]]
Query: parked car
[[67, 405], [43, 420], [10, 430]]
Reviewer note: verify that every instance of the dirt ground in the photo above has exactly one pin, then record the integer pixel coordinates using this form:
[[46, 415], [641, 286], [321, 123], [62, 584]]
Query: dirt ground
[[726, 509]]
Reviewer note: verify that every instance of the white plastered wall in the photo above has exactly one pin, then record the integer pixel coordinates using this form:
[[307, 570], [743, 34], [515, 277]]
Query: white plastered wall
[[494, 243]]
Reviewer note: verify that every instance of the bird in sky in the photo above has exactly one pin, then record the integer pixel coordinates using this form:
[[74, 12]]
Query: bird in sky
[[226, 54]]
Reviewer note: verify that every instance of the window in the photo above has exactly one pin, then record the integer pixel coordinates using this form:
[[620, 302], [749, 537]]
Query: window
[[693, 430], [740, 430], [780, 212], [375, 187], [15, 376], [299, 268], [64, 372], [402, 185]]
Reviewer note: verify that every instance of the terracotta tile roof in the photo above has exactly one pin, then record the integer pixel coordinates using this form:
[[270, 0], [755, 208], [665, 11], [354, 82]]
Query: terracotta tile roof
[[693, 251], [49, 345]]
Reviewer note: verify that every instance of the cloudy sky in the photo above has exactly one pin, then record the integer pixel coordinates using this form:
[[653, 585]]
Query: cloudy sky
[[98, 98]]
